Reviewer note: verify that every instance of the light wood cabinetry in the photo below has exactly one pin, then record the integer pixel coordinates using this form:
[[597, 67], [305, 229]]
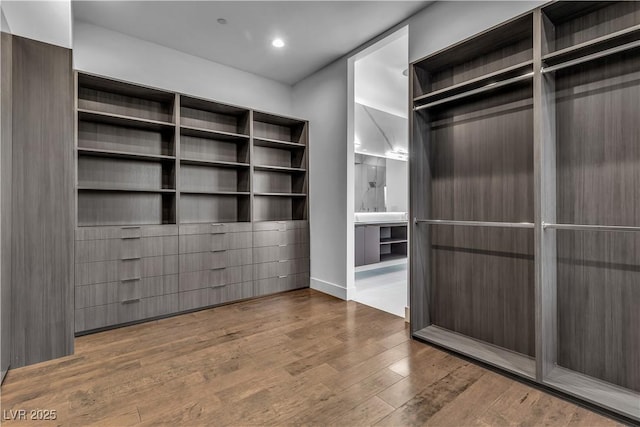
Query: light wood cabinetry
[[183, 203], [524, 199]]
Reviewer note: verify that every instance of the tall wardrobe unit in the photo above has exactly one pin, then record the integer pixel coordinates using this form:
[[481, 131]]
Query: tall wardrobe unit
[[36, 202], [525, 199], [183, 203]]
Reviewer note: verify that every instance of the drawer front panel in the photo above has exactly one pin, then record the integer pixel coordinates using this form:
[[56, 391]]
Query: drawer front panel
[[280, 225], [113, 314], [111, 271], [207, 278], [275, 238], [112, 249], [193, 243], [281, 268], [114, 232], [282, 252], [112, 292]]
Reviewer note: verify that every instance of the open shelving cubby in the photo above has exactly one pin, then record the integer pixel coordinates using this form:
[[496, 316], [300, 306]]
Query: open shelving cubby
[[215, 162], [491, 60], [280, 178], [126, 154], [472, 153]]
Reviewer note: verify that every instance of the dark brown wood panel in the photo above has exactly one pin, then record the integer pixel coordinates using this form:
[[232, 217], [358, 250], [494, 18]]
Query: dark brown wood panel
[[598, 142], [598, 300], [482, 159], [483, 284], [591, 20], [43, 202]]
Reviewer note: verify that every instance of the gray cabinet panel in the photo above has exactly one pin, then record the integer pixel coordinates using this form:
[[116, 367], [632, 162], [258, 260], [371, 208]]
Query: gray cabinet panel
[[114, 232], [42, 201]]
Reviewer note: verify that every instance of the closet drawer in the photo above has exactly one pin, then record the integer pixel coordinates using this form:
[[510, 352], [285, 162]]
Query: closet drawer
[[112, 249], [206, 278], [193, 243], [279, 225], [215, 295], [113, 314], [110, 271], [214, 228], [112, 292], [203, 261], [280, 268], [114, 232], [275, 238], [280, 252]]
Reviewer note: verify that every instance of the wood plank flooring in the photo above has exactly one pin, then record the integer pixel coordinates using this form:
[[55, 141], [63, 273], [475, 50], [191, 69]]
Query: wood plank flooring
[[298, 358]]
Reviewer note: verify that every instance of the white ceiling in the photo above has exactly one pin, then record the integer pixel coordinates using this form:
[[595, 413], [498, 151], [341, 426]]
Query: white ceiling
[[316, 32]]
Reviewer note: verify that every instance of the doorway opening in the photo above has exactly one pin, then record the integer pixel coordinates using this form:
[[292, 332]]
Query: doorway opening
[[380, 174]]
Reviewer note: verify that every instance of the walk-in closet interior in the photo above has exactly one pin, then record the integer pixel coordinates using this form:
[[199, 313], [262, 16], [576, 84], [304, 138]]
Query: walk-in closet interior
[[215, 224]]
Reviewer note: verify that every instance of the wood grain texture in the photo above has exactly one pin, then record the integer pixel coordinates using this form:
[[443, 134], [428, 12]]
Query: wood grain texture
[[43, 202], [599, 183], [289, 359], [593, 19], [6, 106]]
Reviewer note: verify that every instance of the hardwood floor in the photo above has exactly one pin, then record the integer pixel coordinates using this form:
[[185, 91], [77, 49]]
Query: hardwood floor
[[296, 358]]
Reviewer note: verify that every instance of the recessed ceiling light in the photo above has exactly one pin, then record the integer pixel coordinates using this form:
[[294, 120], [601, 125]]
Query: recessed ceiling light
[[278, 42], [222, 21]]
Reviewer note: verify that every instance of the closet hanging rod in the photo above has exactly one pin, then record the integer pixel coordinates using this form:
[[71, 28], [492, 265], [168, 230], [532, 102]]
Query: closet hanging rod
[[591, 57], [482, 89], [621, 228], [475, 223]]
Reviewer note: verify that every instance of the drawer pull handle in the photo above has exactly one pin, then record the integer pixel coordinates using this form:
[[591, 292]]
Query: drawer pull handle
[[130, 228], [283, 260], [218, 286], [131, 301], [131, 238], [131, 258], [282, 277], [132, 279], [218, 250], [282, 246], [217, 268]]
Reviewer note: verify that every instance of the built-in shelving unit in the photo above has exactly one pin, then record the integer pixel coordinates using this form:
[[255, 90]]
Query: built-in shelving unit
[[183, 203], [126, 154], [524, 199], [214, 162], [280, 168]]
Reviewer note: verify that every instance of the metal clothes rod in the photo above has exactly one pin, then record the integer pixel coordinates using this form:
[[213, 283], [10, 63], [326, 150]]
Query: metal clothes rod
[[591, 57], [476, 91], [475, 223], [622, 228]]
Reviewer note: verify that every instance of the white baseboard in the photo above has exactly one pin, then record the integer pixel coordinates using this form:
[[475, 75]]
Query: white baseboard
[[407, 315], [329, 288]]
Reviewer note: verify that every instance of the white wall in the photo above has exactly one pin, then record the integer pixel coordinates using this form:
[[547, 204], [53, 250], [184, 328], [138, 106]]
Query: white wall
[[397, 186], [322, 98], [104, 52], [45, 21]]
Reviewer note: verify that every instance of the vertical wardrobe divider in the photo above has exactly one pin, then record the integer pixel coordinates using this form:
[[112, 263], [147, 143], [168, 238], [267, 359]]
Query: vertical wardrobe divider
[[579, 62], [166, 221]]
